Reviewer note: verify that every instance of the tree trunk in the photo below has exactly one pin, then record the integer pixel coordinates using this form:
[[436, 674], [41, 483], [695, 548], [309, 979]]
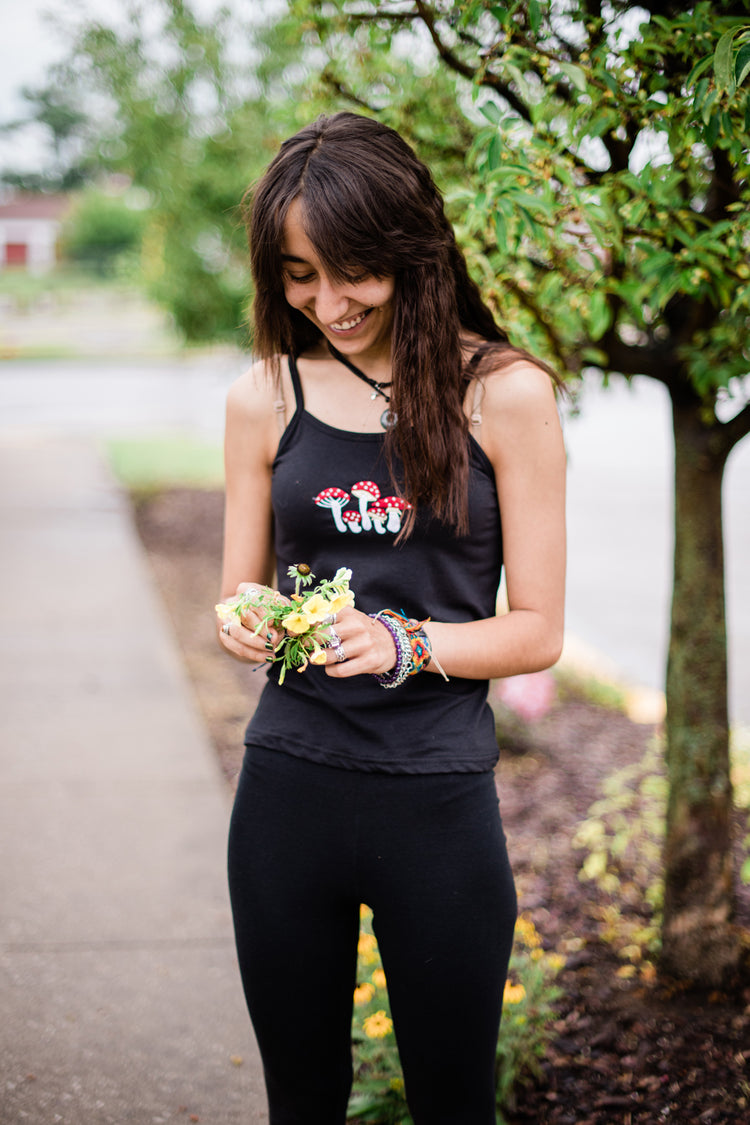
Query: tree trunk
[[699, 942]]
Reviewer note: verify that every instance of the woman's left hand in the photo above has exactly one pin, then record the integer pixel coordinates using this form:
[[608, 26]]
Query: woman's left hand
[[358, 645]]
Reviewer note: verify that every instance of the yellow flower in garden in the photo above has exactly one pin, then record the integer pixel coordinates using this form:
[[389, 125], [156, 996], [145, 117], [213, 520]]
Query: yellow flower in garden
[[378, 978], [367, 943], [527, 933], [316, 609], [363, 993], [378, 1026], [296, 623], [514, 993]]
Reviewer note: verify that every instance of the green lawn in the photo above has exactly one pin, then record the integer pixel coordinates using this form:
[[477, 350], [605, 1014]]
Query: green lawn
[[166, 462]]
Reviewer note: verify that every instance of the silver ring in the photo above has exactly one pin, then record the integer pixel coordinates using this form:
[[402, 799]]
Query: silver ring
[[226, 628], [334, 640], [339, 653]]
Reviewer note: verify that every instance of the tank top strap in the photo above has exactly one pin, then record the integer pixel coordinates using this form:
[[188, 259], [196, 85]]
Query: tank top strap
[[475, 418], [299, 398]]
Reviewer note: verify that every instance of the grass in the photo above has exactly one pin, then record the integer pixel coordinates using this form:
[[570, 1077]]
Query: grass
[[169, 461]]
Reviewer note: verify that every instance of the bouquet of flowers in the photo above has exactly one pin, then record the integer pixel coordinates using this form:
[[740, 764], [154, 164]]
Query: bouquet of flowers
[[301, 618]]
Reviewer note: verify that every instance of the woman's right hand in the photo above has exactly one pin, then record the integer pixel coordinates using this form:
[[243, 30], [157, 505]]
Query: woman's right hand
[[238, 636]]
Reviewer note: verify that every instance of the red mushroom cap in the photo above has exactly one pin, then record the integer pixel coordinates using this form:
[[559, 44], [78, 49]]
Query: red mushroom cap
[[365, 488], [331, 494], [351, 516], [394, 502]]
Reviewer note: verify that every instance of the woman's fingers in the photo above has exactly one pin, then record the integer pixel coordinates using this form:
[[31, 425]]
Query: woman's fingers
[[365, 646]]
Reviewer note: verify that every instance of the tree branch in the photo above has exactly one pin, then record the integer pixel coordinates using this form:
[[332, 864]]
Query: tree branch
[[336, 84], [736, 428]]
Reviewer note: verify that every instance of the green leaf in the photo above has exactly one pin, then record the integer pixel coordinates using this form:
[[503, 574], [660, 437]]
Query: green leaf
[[600, 314], [712, 130], [535, 16], [723, 61], [492, 111], [742, 64], [698, 70], [576, 75]]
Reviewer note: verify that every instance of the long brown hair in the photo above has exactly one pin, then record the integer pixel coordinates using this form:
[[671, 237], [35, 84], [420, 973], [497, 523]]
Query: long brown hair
[[371, 205]]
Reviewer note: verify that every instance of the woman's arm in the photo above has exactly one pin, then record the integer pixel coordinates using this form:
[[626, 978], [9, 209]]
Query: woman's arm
[[522, 437], [250, 444]]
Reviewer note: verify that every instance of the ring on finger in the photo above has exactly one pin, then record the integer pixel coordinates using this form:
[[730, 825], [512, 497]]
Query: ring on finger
[[226, 628], [334, 640], [339, 653]]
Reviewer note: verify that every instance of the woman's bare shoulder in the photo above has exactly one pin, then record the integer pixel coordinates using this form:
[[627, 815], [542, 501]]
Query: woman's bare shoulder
[[519, 385], [252, 396], [519, 408]]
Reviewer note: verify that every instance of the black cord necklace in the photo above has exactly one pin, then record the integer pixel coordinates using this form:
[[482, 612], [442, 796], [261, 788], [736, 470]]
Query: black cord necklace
[[388, 418]]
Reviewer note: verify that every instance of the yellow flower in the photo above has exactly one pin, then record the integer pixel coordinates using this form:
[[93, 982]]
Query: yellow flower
[[296, 623], [341, 601], [364, 911], [318, 656], [527, 932], [378, 978], [363, 993], [367, 943], [378, 1026], [316, 609], [514, 993]]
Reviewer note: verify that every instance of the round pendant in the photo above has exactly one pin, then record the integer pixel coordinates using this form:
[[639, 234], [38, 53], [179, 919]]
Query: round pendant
[[388, 419]]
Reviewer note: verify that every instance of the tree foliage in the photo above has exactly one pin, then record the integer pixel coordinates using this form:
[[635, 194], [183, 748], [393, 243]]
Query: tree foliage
[[190, 111], [605, 209]]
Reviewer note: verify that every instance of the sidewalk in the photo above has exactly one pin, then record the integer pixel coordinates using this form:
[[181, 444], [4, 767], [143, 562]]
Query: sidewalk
[[119, 990]]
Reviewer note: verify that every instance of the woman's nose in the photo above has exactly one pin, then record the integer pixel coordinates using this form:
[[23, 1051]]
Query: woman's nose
[[330, 302]]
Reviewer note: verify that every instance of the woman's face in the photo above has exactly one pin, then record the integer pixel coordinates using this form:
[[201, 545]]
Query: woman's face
[[355, 316]]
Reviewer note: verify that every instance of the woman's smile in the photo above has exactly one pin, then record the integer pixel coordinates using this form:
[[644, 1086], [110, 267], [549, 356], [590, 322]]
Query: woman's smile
[[357, 312]]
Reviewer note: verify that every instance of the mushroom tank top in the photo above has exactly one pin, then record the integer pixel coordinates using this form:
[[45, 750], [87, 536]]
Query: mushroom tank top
[[333, 506]]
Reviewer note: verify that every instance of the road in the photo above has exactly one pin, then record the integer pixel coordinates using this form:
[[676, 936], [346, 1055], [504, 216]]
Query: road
[[619, 488]]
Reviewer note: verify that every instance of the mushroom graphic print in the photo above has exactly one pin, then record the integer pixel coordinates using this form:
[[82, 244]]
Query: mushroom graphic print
[[376, 513], [335, 499]]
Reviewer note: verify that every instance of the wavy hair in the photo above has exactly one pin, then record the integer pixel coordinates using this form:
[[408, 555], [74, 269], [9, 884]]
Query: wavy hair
[[370, 205]]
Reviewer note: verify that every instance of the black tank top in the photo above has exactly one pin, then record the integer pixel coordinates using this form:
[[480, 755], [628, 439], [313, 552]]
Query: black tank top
[[333, 506]]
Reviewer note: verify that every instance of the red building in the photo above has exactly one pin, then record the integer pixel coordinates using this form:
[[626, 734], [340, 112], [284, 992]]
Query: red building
[[29, 231]]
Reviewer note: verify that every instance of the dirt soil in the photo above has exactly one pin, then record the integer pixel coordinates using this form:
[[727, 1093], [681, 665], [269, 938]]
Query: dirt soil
[[626, 1049]]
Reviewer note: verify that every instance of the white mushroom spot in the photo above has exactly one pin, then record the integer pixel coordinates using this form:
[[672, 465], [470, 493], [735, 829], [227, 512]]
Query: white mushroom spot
[[366, 492], [352, 519], [336, 500], [395, 507]]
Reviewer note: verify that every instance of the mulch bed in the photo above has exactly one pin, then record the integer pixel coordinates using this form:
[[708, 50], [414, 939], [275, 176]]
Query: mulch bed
[[626, 1050]]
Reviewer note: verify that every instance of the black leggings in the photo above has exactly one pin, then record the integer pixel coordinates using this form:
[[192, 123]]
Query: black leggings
[[308, 844]]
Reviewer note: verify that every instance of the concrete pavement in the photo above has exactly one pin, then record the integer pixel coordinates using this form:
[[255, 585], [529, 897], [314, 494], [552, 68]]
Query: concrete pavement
[[119, 990]]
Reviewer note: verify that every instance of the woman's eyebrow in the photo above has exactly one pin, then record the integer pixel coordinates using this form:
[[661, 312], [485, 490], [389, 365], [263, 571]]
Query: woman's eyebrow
[[292, 258]]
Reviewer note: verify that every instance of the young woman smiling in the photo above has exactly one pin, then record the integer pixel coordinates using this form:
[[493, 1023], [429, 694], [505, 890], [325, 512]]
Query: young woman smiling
[[388, 427]]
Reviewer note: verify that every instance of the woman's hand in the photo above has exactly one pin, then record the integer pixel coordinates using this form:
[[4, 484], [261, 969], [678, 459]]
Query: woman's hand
[[366, 645], [238, 635]]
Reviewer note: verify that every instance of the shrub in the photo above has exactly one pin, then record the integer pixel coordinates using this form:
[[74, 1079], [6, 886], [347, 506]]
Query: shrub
[[378, 1096]]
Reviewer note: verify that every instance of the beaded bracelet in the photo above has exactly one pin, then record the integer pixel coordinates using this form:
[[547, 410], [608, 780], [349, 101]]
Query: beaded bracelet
[[402, 668], [413, 650]]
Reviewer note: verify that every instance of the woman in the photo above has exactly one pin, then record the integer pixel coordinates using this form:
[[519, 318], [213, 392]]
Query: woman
[[409, 427]]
